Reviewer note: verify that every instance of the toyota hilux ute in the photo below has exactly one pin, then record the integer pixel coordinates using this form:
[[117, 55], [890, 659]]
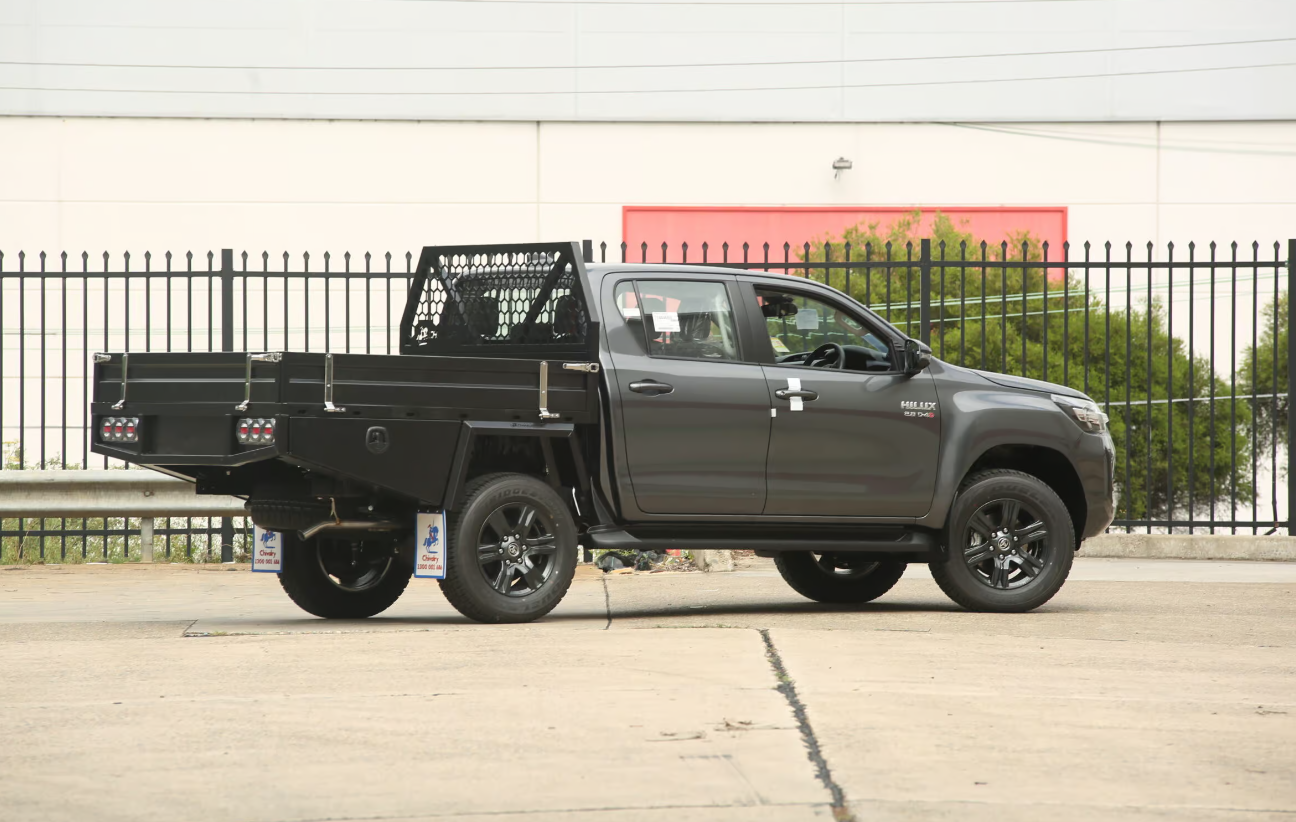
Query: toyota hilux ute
[[540, 404]]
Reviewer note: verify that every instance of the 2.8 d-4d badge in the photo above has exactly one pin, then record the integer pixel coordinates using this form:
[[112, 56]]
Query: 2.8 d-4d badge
[[914, 408]]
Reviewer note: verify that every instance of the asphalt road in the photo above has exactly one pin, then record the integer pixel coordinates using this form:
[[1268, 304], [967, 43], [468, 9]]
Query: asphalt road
[[1147, 690]]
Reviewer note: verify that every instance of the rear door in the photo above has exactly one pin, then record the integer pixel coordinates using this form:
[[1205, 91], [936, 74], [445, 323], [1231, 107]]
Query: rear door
[[695, 408]]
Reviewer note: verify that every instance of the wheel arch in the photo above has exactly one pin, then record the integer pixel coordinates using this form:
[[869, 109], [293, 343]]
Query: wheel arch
[[549, 453], [1048, 465]]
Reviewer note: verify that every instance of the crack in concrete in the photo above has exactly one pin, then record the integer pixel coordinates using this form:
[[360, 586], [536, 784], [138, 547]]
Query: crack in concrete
[[607, 602], [841, 812]]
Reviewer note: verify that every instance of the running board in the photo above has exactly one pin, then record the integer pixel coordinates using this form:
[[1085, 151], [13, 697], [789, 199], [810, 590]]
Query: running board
[[913, 545]]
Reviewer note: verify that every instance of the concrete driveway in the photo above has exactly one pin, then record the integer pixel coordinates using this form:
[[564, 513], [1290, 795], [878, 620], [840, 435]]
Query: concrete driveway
[[1145, 691]]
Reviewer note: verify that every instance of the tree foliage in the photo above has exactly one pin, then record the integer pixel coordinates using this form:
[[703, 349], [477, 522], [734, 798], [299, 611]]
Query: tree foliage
[[1265, 367], [1172, 458]]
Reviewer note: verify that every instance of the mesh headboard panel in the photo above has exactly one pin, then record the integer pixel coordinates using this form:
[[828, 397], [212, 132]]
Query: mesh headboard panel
[[525, 300]]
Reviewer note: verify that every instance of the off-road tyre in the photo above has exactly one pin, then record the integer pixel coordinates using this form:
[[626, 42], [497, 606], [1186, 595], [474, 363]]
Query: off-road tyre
[[308, 584], [466, 586], [967, 585], [811, 576]]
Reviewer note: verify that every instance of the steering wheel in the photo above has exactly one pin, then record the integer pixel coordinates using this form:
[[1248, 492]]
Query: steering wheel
[[819, 357]]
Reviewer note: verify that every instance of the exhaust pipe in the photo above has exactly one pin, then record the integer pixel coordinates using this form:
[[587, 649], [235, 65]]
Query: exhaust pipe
[[363, 525]]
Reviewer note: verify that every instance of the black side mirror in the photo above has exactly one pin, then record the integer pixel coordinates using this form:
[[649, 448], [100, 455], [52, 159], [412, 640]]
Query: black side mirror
[[916, 357]]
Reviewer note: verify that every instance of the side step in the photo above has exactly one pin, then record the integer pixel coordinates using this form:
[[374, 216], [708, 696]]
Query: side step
[[898, 543]]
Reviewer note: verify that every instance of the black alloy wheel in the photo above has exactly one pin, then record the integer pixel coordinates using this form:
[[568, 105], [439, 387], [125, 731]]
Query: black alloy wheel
[[1010, 543], [346, 578], [350, 565], [1006, 544], [838, 577], [516, 549], [510, 549]]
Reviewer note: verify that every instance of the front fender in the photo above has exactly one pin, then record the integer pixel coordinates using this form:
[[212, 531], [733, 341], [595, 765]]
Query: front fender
[[978, 418]]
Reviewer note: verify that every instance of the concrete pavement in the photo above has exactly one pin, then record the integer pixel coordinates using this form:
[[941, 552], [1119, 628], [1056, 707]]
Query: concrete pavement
[[1147, 690]]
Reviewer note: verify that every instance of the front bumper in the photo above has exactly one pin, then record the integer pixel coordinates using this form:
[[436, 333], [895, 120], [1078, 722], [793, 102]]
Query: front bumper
[[1097, 476]]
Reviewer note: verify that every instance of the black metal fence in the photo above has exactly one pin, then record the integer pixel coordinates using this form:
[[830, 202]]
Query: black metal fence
[[56, 311], [1186, 348], [1187, 351], [120, 539]]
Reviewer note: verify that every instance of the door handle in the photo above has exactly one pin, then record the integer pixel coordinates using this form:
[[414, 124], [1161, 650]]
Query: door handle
[[787, 394], [651, 387]]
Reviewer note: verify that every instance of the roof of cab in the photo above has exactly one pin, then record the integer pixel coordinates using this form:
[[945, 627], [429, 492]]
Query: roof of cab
[[602, 269]]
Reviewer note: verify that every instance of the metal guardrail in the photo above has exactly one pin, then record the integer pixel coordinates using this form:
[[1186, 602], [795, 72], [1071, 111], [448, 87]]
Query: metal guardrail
[[34, 494], [121, 494]]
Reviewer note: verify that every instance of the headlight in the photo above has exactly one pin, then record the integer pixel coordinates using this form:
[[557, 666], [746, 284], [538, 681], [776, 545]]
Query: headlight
[[1086, 413]]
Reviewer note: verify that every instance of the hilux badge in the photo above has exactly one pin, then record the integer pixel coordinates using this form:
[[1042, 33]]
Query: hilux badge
[[914, 408]]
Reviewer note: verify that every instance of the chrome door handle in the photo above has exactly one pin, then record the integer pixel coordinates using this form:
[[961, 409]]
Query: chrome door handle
[[651, 387], [787, 394]]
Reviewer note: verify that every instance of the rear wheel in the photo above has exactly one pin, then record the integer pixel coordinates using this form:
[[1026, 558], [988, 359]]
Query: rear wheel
[[841, 578], [1011, 544], [339, 578], [510, 550]]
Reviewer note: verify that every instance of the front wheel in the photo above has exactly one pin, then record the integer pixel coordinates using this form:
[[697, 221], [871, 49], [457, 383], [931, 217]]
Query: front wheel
[[839, 578], [1011, 543], [344, 578]]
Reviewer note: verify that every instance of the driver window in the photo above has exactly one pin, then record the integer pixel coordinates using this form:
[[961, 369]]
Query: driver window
[[798, 324]]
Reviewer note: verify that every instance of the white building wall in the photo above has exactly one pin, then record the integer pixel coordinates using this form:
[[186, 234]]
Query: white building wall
[[96, 184], [712, 60]]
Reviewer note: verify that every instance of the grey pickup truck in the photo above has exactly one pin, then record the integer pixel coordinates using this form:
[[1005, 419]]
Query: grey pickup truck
[[540, 404]]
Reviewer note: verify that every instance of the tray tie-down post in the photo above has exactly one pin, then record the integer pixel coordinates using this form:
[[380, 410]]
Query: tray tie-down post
[[545, 413], [247, 377], [328, 387], [102, 358], [117, 406]]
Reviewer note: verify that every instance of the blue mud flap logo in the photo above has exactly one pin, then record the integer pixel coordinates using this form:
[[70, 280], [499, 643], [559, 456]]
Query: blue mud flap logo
[[429, 548], [267, 551]]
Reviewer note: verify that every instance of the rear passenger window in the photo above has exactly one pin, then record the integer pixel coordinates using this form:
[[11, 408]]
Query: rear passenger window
[[680, 318]]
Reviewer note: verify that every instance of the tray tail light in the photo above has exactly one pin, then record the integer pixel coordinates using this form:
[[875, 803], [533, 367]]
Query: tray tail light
[[252, 431], [119, 429]]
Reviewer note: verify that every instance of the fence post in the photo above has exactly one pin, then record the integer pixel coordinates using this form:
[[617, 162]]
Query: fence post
[[146, 539], [924, 289], [587, 250], [1291, 372], [227, 344]]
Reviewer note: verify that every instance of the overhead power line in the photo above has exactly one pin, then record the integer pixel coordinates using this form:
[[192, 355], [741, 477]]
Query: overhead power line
[[586, 92], [756, 63]]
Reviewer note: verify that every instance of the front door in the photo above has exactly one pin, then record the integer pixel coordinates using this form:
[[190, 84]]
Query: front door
[[695, 414], [863, 440]]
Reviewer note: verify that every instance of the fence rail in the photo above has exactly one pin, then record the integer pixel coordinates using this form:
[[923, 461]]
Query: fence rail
[[1186, 347], [1101, 319]]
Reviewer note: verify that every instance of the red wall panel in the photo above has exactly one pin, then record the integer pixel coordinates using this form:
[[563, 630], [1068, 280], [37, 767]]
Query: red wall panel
[[796, 225]]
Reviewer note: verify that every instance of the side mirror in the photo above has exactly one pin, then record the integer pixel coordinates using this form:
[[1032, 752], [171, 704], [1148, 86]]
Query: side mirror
[[916, 357]]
